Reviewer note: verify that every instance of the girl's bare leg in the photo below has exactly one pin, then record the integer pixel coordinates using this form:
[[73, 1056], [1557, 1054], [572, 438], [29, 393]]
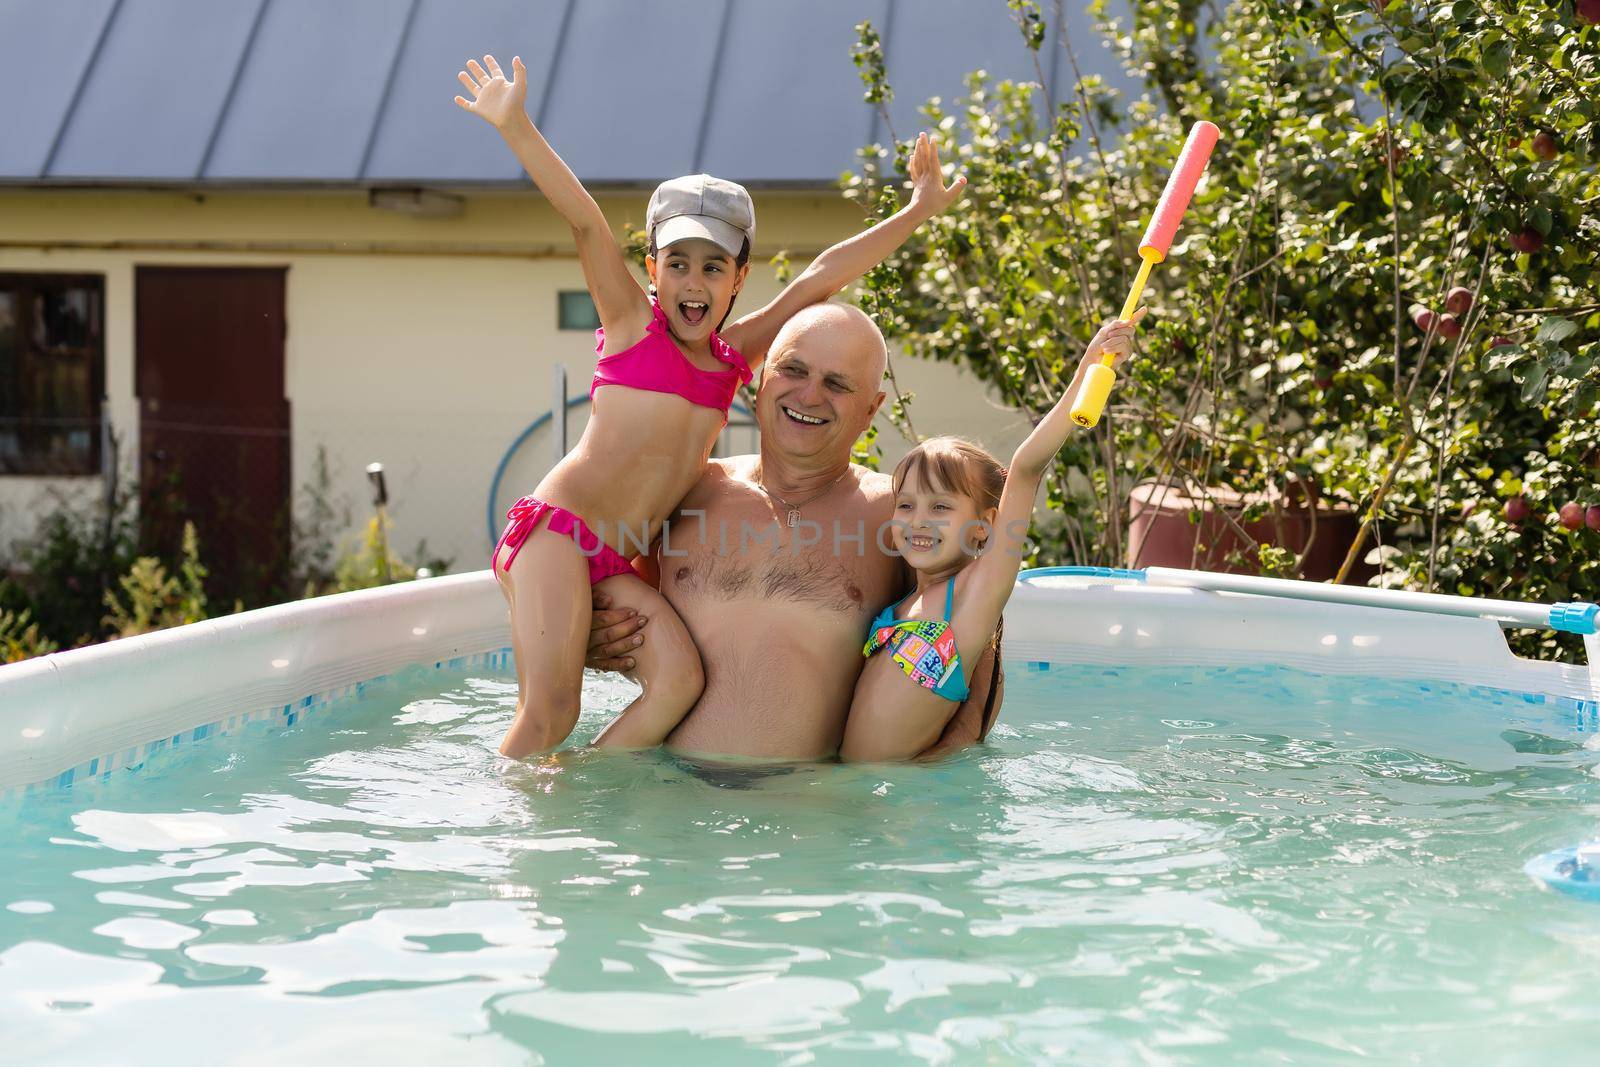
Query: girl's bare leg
[[548, 593], [667, 666]]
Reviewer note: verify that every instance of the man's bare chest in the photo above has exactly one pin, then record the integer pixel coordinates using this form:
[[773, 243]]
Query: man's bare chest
[[746, 549]]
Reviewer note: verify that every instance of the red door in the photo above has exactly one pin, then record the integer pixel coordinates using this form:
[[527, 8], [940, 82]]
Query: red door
[[214, 423]]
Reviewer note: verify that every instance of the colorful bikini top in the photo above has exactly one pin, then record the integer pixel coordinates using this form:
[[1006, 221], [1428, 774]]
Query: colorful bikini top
[[657, 363], [924, 648]]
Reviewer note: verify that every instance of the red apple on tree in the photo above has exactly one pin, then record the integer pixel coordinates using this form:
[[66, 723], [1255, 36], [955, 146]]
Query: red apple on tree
[[1517, 510], [1500, 340], [1527, 240], [1384, 139], [1591, 517], [1589, 11], [1449, 326], [1572, 515], [1424, 318], [1458, 301], [1545, 145]]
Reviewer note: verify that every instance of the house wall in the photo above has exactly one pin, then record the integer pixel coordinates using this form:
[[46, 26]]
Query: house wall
[[427, 344]]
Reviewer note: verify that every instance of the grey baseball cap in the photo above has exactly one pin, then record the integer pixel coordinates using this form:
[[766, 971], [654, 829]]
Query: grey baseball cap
[[699, 205]]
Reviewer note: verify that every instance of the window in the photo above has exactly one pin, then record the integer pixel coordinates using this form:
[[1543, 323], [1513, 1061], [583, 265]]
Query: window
[[52, 373], [575, 310]]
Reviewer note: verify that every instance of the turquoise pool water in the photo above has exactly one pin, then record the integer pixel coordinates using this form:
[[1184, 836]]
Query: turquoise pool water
[[1178, 866]]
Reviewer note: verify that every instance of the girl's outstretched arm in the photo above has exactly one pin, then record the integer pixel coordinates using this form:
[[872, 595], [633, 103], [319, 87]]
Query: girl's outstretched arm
[[987, 584], [848, 260], [623, 307]]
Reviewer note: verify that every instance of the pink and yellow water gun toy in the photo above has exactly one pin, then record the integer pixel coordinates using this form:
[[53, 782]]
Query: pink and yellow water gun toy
[[1096, 387]]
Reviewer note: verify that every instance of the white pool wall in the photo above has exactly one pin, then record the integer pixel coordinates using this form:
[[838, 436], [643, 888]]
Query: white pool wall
[[104, 704], [1097, 620], [94, 710]]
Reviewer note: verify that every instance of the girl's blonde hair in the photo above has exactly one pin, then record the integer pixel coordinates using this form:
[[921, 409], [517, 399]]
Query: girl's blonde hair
[[954, 465]]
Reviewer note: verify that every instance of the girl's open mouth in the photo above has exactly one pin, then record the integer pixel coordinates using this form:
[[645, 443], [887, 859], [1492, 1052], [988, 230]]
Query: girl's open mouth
[[693, 311]]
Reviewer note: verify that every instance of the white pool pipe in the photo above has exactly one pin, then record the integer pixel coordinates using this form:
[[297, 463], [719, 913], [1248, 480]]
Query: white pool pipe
[[1577, 617]]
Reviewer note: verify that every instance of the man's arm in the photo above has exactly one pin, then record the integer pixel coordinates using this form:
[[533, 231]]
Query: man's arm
[[977, 714], [614, 632]]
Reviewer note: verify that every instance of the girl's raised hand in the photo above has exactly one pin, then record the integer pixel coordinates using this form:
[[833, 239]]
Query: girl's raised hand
[[929, 194], [494, 98], [1115, 337]]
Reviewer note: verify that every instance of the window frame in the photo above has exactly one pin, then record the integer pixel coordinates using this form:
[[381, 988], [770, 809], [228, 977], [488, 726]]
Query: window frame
[[25, 286], [588, 325]]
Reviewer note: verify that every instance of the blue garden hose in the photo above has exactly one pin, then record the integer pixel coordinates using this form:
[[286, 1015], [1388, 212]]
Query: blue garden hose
[[533, 427], [1082, 572]]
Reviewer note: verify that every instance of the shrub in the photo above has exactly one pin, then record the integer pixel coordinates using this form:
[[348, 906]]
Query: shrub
[[315, 528], [64, 570], [154, 600], [1372, 160], [371, 562], [20, 637]]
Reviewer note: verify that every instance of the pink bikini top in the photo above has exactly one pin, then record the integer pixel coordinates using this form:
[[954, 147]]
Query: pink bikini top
[[657, 364]]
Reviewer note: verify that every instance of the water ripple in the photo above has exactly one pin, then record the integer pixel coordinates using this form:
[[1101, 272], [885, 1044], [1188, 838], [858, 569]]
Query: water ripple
[[1191, 866]]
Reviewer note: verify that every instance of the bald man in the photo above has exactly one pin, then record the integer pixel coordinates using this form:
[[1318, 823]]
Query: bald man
[[776, 564]]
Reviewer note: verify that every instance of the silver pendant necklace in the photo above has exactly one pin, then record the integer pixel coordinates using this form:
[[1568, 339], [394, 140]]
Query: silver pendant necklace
[[793, 517]]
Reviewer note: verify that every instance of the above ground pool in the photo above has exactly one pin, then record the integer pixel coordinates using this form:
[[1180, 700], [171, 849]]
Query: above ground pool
[[1210, 827]]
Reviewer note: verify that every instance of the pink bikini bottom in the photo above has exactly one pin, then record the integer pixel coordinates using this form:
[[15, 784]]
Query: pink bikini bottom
[[524, 516]]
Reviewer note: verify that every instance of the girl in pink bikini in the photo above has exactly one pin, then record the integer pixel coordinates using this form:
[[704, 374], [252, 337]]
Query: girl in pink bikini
[[670, 377]]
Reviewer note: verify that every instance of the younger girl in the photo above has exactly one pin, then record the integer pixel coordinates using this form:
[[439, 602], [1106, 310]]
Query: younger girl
[[961, 522], [669, 376]]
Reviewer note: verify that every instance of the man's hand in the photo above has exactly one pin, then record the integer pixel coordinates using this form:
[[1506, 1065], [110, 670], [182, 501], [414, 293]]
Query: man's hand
[[613, 634], [495, 99], [969, 727], [929, 194]]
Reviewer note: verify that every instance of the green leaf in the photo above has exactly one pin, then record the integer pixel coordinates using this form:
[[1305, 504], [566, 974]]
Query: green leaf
[[1555, 329], [1533, 385], [1497, 58], [1504, 356]]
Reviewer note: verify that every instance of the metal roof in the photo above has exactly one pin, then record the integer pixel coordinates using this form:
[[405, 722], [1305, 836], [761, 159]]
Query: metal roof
[[360, 91]]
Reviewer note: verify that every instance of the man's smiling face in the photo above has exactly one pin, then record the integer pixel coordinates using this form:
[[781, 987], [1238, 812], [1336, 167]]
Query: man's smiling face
[[819, 389]]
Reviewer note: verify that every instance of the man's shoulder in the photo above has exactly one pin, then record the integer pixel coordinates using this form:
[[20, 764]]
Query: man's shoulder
[[871, 482], [726, 470], [721, 478], [731, 471]]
